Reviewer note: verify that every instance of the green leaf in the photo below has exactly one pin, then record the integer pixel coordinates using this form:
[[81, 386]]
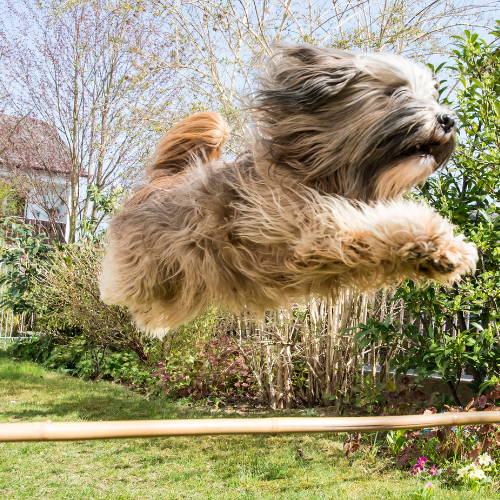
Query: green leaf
[[390, 386]]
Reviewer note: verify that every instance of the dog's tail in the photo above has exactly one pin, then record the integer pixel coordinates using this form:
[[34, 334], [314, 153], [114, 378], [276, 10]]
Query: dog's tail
[[201, 135]]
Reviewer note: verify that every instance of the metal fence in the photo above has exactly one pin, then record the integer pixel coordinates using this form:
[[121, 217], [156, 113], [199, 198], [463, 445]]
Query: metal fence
[[6, 315], [12, 326]]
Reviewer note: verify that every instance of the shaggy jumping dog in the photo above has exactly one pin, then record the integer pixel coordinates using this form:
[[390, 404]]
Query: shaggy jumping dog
[[314, 204]]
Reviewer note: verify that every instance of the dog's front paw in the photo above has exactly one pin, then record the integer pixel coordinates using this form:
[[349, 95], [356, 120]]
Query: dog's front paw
[[449, 261]]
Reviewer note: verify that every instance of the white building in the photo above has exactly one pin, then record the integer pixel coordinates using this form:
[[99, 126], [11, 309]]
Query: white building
[[36, 169]]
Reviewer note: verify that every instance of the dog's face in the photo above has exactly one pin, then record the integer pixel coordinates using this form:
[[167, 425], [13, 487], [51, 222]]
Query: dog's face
[[361, 125]]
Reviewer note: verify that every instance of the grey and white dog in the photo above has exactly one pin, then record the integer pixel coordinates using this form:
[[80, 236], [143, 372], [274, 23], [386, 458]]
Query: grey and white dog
[[313, 205]]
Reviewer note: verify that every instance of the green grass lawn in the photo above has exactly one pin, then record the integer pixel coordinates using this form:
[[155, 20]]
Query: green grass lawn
[[239, 467]]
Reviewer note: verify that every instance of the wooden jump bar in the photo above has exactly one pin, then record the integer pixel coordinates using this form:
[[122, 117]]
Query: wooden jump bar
[[76, 431]]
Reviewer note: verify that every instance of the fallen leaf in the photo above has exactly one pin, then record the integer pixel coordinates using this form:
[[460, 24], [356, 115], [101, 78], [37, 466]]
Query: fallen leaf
[[303, 455]]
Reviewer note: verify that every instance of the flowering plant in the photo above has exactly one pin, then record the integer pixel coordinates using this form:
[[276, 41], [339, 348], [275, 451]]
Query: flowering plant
[[421, 470], [419, 467], [445, 446], [475, 473], [426, 491]]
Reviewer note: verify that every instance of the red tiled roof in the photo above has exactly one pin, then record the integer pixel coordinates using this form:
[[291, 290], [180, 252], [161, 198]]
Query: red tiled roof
[[32, 144]]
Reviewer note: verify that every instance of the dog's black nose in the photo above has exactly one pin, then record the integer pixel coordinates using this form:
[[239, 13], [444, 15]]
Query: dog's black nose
[[446, 121]]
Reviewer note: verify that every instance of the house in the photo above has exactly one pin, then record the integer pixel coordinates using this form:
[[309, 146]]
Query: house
[[35, 168]]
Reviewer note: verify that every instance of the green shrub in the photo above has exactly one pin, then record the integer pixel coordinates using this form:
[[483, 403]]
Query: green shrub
[[68, 305], [74, 358], [24, 253], [459, 323], [217, 367]]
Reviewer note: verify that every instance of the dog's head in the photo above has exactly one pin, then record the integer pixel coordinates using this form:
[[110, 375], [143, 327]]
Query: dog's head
[[361, 125]]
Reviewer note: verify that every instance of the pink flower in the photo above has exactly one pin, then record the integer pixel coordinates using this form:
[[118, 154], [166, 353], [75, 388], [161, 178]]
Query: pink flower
[[422, 460], [428, 484], [417, 469], [433, 470]]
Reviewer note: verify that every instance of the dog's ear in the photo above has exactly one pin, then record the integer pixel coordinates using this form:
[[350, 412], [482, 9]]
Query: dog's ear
[[303, 77], [307, 54]]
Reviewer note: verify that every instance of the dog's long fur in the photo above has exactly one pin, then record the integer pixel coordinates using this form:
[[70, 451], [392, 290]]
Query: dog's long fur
[[314, 204]]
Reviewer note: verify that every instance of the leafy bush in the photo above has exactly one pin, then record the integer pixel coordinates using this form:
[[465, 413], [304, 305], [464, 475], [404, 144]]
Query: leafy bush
[[85, 337], [468, 193], [218, 366], [74, 358], [445, 353], [23, 252], [68, 304], [36, 349], [59, 284], [459, 324]]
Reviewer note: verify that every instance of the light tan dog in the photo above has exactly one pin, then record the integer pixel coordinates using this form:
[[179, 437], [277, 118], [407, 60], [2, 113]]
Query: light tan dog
[[314, 204]]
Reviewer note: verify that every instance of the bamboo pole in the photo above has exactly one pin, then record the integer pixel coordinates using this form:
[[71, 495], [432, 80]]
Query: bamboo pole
[[76, 431]]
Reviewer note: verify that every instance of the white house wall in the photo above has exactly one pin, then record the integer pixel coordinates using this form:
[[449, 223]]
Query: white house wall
[[56, 186]]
